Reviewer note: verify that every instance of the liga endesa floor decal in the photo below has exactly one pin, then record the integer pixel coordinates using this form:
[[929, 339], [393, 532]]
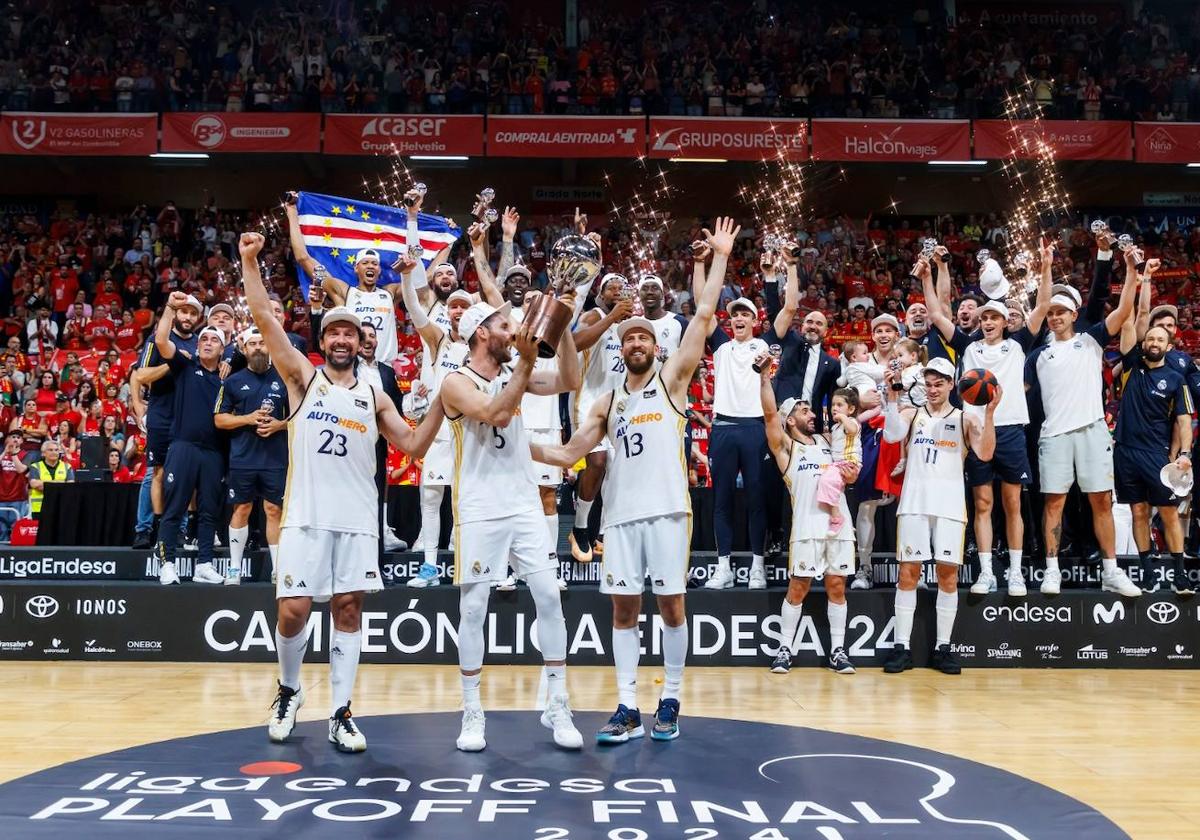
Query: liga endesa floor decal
[[721, 779]]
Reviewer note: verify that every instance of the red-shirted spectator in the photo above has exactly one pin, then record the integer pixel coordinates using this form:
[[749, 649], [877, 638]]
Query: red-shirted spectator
[[64, 285], [14, 485], [100, 330], [107, 296], [128, 335], [63, 411]]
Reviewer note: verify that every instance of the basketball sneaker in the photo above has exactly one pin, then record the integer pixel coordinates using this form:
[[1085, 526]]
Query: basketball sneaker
[[782, 663], [984, 584], [1052, 582], [1119, 582], [625, 723], [167, 575], [426, 577], [943, 660], [344, 734], [900, 659], [581, 545], [391, 542], [233, 573], [666, 720], [1016, 583], [721, 579], [205, 573], [558, 717], [863, 578], [1181, 584], [509, 584], [287, 702], [758, 577], [470, 737], [839, 662]]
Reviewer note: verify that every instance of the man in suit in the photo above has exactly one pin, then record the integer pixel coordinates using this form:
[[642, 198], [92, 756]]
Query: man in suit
[[806, 372]]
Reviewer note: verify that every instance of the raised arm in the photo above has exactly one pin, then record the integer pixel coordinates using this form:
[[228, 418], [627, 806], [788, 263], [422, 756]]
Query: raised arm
[[392, 426], [567, 375], [939, 315], [593, 324], [1142, 318], [586, 438], [1037, 316], [508, 231], [777, 439], [941, 256], [1101, 287], [162, 332], [337, 289], [430, 332], [701, 251], [1134, 329], [461, 397], [1125, 304], [489, 289], [292, 365], [791, 298]]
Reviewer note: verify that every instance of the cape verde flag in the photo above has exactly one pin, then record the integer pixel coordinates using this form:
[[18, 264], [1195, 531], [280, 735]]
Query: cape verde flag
[[336, 229]]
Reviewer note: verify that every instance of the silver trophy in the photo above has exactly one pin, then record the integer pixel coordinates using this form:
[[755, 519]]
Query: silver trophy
[[983, 256], [1021, 261], [772, 242], [415, 250], [420, 189], [928, 247], [1099, 226], [483, 210], [574, 262], [1124, 242]]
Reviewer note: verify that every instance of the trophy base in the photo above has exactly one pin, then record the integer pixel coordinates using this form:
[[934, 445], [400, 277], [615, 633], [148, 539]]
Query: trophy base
[[547, 318]]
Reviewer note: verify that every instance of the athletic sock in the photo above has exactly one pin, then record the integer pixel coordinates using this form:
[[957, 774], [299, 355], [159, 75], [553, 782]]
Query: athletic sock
[[273, 551], [906, 607], [675, 646], [470, 689], [556, 680], [1014, 560], [757, 562], [837, 625], [790, 615], [985, 563], [723, 563], [290, 651], [237, 545], [1109, 565], [344, 648], [947, 609], [626, 652], [1177, 563], [1052, 564], [1147, 566], [552, 530], [583, 509]]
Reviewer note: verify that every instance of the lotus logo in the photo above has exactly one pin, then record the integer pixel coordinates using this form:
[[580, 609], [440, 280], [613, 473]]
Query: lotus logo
[[209, 131], [41, 606], [1163, 612]]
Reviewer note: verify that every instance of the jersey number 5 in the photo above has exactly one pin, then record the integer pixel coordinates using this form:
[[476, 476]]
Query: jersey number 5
[[332, 443], [497, 438]]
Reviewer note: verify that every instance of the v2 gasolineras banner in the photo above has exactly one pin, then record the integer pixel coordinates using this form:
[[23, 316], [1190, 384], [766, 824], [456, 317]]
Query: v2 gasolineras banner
[[891, 140], [1070, 139], [28, 133]]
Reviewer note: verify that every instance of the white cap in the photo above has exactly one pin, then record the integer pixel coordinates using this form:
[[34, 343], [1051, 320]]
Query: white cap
[[339, 315], [744, 303], [516, 269], [635, 324], [248, 333], [434, 269], [1067, 289], [1164, 309], [212, 331], [992, 280], [942, 366], [885, 318], [649, 279], [1178, 481], [611, 276], [477, 314], [1065, 301], [996, 306], [461, 294], [787, 407], [221, 307], [366, 253], [193, 302]]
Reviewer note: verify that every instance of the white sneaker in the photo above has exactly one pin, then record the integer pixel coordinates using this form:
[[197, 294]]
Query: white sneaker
[[233, 573], [192, 544], [344, 732], [427, 576], [509, 584], [283, 721], [167, 574], [1016, 583], [863, 578], [470, 738], [1052, 582], [722, 579], [562, 585], [758, 577], [393, 543], [205, 573], [1119, 582], [985, 583], [558, 717]]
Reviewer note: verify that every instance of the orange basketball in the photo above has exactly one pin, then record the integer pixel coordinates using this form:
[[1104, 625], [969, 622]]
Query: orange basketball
[[977, 386]]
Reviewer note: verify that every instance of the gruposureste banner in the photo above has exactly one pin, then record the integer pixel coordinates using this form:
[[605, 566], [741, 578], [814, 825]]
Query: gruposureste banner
[[731, 138]]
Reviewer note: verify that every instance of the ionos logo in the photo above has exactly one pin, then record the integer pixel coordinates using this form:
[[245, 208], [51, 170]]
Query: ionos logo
[[1025, 613]]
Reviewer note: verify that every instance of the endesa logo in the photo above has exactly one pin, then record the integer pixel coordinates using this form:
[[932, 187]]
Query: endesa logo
[[1026, 613]]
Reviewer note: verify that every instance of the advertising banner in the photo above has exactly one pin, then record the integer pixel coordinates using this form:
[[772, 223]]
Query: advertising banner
[[1070, 139], [891, 140], [241, 132], [731, 138], [78, 134], [403, 134], [570, 137], [1166, 142]]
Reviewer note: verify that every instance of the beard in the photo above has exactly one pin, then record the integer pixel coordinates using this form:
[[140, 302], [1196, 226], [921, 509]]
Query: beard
[[1154, 355], [499, 350], [258, 361], [339, 367], [641, 365]]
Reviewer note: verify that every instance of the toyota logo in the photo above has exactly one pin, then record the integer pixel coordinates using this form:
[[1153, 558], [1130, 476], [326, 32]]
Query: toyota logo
[[41, 606], [1162, 612]]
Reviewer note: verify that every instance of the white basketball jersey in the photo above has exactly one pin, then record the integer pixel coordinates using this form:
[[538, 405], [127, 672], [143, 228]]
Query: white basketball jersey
[[647, 470], [933, 480], [668, 332], [331, 459], [494, 475], [603, 369], [378, 309], [440, 315], [539, 411], [1006, 360], [439, 362], [806, 463]]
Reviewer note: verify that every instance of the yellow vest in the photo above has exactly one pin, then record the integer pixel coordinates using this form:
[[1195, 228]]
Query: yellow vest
[[44, 472]]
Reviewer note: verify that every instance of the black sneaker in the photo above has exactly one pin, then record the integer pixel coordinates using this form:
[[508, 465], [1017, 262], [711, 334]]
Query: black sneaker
[[839, 662], [900, 659], [626, 723], [943, 660], [1181, 584], [143, 540], [666, 721], [782, 662]]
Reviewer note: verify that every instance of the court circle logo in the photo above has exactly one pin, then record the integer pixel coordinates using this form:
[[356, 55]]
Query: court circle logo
[[771, 782], [1163, 612], [41, 606]]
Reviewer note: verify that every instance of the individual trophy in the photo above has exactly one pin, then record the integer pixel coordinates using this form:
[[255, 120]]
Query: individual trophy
[[928, 247], [983, 256], [483, 211], [574, 262], [420, 189], [1099, 226]]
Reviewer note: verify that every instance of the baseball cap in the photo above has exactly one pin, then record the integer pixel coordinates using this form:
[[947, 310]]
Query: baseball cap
[[339, 315], [1066, 301], [477, 314], [440, 266], [992, 280], [221, 307], [1067, 289], [60, 397], [212, 331], [996, 306], [193, 302], [786, 407], [1177, 480], [743, 303], [516, 269], [885, 318], [365, 254], [460, 294], [248, 333], [649, 279], [635, 324], [610, 277], [1164, 309], [941, 366]]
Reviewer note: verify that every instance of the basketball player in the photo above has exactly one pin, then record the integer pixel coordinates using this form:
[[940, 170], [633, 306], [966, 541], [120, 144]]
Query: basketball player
[[668, 326], [497, 510], [801, 455], [603, 366], [1002, 353], [329, 547], [443, 353], [647, 509], [1075, 444], [931, 519]]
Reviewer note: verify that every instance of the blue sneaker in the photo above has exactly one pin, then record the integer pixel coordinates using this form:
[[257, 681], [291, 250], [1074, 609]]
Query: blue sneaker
[[427, 576], [666, 721], [625, 723]]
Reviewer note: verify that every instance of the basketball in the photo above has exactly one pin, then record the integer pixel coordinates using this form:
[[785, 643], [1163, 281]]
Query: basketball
[[977, 386]]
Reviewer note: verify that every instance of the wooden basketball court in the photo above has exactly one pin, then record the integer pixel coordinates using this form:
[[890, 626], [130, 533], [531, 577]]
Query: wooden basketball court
[[1123, 742]]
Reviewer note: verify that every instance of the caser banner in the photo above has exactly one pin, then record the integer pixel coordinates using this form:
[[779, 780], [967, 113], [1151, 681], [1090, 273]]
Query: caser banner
[[572, 137], [403, 134], [220, 131], [1156, 142], [1070, 139], [78, 134], [731, 138], [44, 621], [891, 140]]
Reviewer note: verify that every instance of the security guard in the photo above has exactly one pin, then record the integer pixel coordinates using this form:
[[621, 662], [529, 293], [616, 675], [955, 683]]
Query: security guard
[[195, 463], [50, 468]]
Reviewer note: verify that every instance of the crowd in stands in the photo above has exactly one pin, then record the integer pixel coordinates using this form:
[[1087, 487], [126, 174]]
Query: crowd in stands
[[862, 59]]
